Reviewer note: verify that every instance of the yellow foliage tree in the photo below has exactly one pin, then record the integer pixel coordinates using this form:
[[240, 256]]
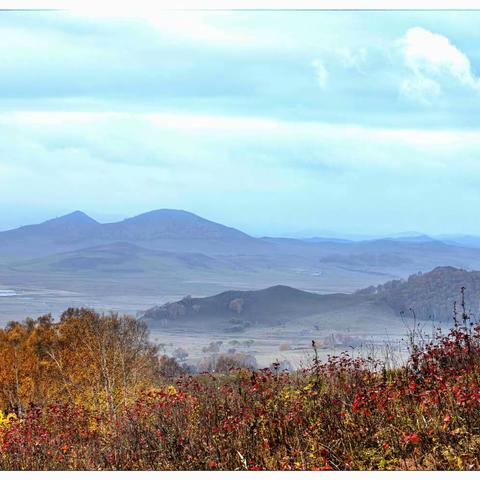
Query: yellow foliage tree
[[102, 361]]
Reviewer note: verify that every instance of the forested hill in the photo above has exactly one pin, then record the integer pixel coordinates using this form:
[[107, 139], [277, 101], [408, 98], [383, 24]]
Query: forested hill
[[431, 295]]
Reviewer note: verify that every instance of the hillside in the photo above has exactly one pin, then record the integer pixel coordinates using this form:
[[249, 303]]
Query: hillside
[[55, 235], [431, 295], [71, 227], [236, 310], [120, 258], [167, 223]]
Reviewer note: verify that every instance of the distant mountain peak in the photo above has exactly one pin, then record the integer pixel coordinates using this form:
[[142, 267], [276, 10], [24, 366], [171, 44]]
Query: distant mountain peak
[[164, 213], [170, 223], [162, 229], [76, 217]]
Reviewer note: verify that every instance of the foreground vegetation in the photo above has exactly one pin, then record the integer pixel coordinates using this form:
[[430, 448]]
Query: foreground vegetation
[[91, 392]]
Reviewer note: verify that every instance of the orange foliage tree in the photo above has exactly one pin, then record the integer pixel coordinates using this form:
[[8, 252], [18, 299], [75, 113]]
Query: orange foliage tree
[[100, 361]]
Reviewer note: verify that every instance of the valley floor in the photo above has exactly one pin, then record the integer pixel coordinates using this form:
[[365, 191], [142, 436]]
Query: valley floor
[[364, 331]]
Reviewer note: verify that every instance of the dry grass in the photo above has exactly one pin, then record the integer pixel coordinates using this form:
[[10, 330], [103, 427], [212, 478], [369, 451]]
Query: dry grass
[[341, 415]]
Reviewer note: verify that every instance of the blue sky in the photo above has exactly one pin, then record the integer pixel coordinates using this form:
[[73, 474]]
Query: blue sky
[[272, 122]]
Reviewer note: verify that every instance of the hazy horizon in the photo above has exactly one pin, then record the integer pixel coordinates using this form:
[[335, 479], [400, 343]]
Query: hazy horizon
[[275, 123], [305, 233]]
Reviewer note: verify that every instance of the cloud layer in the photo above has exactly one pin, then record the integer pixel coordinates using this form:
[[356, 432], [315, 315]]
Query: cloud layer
[[328, 120]]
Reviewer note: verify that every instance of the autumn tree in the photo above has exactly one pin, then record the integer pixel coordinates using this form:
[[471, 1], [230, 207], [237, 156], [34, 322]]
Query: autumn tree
[[103, 361]]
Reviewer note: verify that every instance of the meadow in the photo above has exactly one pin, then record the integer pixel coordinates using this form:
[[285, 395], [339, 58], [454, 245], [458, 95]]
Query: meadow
[[90, 392]]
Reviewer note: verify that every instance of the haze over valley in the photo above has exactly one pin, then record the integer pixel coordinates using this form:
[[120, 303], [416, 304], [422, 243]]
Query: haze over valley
[[273, 290]]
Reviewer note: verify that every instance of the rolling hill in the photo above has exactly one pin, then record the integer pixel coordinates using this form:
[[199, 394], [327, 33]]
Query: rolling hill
[[431, 295], [236, 310], [121, 258]]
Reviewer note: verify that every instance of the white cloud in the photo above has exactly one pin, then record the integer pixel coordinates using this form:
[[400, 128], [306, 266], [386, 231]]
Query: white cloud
[[433, 60], [321, 73]]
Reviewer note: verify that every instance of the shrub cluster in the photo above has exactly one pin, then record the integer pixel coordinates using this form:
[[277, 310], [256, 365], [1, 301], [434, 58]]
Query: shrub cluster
[[345, 414]]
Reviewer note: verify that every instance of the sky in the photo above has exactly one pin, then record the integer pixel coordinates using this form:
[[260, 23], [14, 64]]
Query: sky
[[277, 123]]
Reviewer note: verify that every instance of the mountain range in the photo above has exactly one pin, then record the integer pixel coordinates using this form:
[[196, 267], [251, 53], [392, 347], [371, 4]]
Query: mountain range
[[166, 253], [78, 243], [168, 227], [161, 229]]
